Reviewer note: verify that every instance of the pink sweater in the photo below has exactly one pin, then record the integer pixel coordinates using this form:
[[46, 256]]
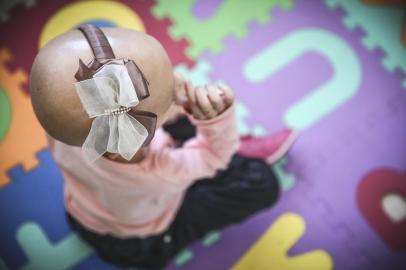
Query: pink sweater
[[142, 199]]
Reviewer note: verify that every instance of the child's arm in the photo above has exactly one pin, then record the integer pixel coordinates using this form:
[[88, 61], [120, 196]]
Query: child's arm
[[212, 111]]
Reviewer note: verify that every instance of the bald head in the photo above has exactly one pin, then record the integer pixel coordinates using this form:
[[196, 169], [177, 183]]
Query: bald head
[[53, 95]]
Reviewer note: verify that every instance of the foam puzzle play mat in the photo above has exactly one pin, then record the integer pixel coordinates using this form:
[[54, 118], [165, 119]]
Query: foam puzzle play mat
[[335, 71]]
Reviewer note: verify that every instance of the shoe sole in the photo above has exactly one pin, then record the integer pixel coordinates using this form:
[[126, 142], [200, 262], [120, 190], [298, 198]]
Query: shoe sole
[[283, 149]]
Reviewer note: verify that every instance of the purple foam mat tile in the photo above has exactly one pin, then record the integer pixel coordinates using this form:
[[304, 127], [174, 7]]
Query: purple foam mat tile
[[345, 213], [319, 233], [365, 133], [396, 105], [303, 162], [328, 159], [362, 255], [398, 72], [345, 244], [342, 244], [345, 210], [204, 9]]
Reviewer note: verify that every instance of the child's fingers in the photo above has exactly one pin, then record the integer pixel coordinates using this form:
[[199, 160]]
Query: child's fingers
[[180, 98], [190, 93], [228, 96], [204, 104], [215, 98], [192, 107], [186, 103]]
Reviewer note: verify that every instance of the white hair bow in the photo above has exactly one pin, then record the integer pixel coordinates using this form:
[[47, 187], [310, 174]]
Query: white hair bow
[[108, 97]]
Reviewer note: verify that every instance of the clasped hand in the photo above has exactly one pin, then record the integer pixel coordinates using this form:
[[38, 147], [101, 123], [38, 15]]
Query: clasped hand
[[203, 103]]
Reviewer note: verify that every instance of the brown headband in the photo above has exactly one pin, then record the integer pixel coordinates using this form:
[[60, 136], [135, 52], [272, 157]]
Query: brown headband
[[104, 55]]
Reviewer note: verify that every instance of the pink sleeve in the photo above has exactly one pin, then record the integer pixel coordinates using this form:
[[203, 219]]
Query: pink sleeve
[[211, 149]]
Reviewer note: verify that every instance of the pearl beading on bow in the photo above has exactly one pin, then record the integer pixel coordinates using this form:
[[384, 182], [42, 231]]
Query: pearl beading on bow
[[117, 111]]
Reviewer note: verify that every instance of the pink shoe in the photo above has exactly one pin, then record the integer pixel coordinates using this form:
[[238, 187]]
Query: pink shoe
[[270, 148]]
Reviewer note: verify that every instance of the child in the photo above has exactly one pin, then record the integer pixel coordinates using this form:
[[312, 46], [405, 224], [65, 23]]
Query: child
[[134, 196]]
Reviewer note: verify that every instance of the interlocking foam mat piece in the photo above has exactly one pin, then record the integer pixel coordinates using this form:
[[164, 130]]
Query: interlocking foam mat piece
[[332, 70]]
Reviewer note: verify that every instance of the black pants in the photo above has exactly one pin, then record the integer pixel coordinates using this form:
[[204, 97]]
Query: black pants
[[244, 188]]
